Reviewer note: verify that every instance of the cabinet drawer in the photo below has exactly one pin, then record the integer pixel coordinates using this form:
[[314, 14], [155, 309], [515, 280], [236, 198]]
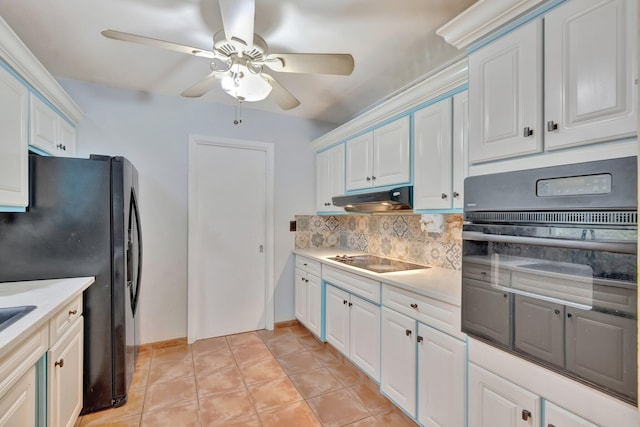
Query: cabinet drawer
[[440, 315], [483, 272], [64, 318], [309, 265], [23, 356], [361, 286]]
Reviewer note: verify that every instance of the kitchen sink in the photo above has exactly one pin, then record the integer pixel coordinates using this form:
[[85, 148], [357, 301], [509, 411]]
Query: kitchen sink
[[8, 315]]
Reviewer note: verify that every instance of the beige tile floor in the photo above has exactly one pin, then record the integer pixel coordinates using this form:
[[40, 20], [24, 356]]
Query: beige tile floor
[[265, 378]]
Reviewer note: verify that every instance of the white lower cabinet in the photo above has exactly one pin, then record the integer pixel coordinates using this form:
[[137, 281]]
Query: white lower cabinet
[[496, 402], [441, 378], [18, 405], [308, 294], [555, 416], [65, 377], [398, 359], [353, 328], [435, 369]]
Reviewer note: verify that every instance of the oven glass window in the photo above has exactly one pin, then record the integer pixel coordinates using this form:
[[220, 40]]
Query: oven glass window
[[561, 296]]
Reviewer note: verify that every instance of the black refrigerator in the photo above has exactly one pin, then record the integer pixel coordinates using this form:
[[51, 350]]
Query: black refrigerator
[[83, 220]]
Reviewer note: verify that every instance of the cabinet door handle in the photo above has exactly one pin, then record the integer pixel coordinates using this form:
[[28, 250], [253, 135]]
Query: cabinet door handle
[[569, 315], [344, 301], [444, 196], [368, 178], [419, 339], [528, 132], [556, 311], [551, 126], [551, 425], [456, 194], [526, 414], [350, 304], [407, 332], [73, 312], [60, 363], [373, 177], [414, 305]]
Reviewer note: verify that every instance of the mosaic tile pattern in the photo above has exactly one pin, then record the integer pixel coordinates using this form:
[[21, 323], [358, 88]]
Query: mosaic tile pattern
[[394, 236]]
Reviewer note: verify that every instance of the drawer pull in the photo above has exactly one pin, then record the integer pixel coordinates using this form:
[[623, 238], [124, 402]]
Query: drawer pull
[[407, 332], [60, 363], [305, 264], [526, 414], [414, 305], [73, 312]]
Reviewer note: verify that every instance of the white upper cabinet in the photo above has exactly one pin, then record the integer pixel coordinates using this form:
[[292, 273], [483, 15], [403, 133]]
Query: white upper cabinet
[[14, 112], [329, 178], [379, 158], [391, 153], [590, 91], [590, 72], [505, 94], [440, 138], [359, 164], [432, 156], [460, 146], [50, 132]]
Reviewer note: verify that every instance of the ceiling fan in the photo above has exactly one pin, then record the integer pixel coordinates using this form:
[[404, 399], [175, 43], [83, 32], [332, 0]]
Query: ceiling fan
[[239, 58]]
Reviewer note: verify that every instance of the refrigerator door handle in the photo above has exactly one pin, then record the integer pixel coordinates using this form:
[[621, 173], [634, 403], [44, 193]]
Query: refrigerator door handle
[[135, 293]]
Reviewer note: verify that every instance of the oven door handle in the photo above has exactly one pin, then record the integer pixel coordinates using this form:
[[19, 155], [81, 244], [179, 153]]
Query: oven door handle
[[588, 245]]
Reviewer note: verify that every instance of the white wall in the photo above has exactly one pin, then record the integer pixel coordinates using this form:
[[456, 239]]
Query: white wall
[[152, 131]]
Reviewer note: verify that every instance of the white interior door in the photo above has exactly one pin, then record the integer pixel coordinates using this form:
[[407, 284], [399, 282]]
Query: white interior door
[[230, 192]]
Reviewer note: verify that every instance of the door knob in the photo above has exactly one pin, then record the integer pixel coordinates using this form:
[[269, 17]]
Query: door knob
[[551, 126], [528, 132], [419, 339], [407, 332], [60, 363], [368, 178], [444, 196], [456, 194], [414, 305], [73, 312], [526, 414]]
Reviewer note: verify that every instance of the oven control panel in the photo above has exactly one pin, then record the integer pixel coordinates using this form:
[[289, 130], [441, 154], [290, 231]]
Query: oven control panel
[[574, 185]]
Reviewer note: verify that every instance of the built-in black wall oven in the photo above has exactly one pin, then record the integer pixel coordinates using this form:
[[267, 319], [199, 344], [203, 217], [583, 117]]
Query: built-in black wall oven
[[549, 269]]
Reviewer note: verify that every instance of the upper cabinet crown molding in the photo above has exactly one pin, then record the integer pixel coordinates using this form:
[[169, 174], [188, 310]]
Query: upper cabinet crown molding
[[18, 56], [444, 81], [482, 18]]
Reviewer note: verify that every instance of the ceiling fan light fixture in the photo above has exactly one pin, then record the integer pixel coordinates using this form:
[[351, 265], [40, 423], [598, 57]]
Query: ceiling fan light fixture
[[245, 85]]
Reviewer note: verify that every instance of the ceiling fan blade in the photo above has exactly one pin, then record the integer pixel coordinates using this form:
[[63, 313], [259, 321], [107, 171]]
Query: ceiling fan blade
[[133, 38], [237, 19], [280, 94], [203, 86], [319, 63]]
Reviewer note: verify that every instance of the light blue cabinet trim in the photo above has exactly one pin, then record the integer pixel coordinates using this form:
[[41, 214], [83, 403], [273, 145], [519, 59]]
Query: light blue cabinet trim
[[528, 17], [41, 391], [39, 151], [12, 209], [35, 92]]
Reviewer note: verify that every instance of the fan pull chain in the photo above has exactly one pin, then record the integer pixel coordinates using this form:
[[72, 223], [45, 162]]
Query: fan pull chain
[[238, 119]]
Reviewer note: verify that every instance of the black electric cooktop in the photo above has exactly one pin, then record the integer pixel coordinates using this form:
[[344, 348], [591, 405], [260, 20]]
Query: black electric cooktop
[[376, 264]]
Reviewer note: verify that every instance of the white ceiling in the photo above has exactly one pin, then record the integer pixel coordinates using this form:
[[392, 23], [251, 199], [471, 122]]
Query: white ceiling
[[393, 43]]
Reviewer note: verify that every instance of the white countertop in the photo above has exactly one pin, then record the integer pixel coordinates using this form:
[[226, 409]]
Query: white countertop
[[438, 283], [47, 295]]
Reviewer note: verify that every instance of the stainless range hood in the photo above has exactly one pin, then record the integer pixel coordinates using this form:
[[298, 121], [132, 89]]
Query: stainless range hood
[[397, 199]]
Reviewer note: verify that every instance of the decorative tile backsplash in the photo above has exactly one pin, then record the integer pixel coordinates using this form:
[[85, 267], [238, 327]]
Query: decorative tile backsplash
[[395, 236]]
